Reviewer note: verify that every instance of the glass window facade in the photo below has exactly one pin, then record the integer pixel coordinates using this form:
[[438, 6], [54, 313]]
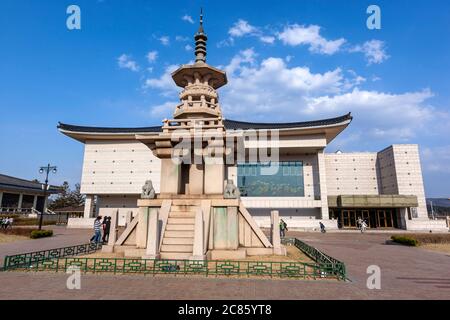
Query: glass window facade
[[279, 179]]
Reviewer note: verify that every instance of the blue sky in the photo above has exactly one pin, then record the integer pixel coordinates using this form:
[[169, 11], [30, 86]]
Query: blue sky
[[285, 60]]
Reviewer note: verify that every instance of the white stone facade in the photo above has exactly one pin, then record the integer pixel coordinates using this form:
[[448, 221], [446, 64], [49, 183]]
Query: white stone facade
[[115, 171], [118, 168]]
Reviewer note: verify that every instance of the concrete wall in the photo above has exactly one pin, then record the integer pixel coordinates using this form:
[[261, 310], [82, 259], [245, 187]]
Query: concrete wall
[[119, 167], [407, 171], [109, 204], [352, 173], [116, 171], [295, 218]]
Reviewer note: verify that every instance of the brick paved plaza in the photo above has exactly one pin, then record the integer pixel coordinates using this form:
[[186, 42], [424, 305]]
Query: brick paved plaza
[[407, 273]]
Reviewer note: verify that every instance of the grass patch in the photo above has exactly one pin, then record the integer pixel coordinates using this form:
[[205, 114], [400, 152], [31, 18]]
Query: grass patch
[[26, 232], [420, 239], [21, 220], [4, 238], [32, 233]]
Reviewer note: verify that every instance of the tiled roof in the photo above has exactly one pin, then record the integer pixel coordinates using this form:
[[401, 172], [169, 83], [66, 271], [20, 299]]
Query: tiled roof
[[229, 124], [17, 184], [69, 127], [232, 124]]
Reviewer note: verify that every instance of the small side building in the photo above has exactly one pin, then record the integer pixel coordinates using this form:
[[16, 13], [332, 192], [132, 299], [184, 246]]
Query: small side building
[[23, 196]]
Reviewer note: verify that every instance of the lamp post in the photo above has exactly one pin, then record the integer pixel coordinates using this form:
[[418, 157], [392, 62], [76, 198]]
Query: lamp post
[[47, 170]]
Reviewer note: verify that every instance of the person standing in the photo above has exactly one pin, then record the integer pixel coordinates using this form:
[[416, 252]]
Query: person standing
[[97, 233], [106, 228], [283, 228]]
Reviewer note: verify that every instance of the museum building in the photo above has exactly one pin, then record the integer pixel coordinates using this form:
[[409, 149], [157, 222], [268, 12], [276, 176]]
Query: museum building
[[310, 185]]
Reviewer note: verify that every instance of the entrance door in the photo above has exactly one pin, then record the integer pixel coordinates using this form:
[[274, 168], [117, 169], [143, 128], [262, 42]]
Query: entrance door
[[384, 219], [366, 216], [349, 218]]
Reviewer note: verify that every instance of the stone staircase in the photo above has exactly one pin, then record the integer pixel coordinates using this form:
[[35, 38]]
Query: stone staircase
[[178, 237]]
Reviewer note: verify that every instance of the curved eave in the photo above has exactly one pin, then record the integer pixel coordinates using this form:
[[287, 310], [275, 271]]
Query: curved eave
[[82, 134], [329, 127]]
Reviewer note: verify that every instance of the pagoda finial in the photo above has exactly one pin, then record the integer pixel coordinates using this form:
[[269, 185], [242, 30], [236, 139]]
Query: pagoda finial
[[200, 42], [200, 29]]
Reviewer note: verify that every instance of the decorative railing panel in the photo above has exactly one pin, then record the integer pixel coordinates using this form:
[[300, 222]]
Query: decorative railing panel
[[62, 259]]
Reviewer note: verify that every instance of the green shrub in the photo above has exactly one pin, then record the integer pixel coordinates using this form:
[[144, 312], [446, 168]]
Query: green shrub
[[405, 240], [35, 234]]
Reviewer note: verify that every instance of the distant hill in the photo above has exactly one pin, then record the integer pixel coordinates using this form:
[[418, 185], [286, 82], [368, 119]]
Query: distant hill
[[441, 206]]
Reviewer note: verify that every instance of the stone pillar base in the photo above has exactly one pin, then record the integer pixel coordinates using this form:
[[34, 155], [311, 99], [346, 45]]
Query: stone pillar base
[[108, 249], [152, 256], [202, 257]]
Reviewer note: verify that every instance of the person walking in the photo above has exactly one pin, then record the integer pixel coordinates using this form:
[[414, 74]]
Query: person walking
[[106, 228], [363, 226], [322, 227], [97, 233], [10, 222]]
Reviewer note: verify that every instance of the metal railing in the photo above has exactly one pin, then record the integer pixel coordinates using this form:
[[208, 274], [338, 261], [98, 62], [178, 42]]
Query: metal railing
[[12, 210], [319, 257], [30, 258], [324, 266], [184, 267]]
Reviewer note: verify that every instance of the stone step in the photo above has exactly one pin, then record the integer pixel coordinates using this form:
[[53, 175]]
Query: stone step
[[177, 248], [180, 227], [176, 255], [187, 201], [186, 241], [183, 208], [182, 214], [178, 220], [178, 234]]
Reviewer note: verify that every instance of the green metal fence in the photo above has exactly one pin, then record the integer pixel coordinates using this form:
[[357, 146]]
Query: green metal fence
[[30, 258], [336, 267], [58, 260]]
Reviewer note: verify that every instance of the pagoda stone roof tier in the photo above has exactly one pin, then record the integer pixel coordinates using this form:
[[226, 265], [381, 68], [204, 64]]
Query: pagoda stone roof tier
[[218, 78]]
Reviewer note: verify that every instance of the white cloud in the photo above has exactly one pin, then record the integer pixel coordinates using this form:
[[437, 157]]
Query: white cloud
[[187, 18], [152, 56], [267, 39], [125, 62], [296, 35], [165, 40], [164, 83], [374, 51], [181, 38], [164, 110], [436, 159], [188, 47], [241, 28], [268, 90]]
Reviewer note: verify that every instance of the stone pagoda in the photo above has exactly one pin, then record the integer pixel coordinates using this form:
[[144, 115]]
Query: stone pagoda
[[198, 213]]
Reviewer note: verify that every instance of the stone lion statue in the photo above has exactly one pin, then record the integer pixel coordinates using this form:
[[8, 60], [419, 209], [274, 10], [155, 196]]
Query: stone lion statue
[[231, 191], [148, 192]]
